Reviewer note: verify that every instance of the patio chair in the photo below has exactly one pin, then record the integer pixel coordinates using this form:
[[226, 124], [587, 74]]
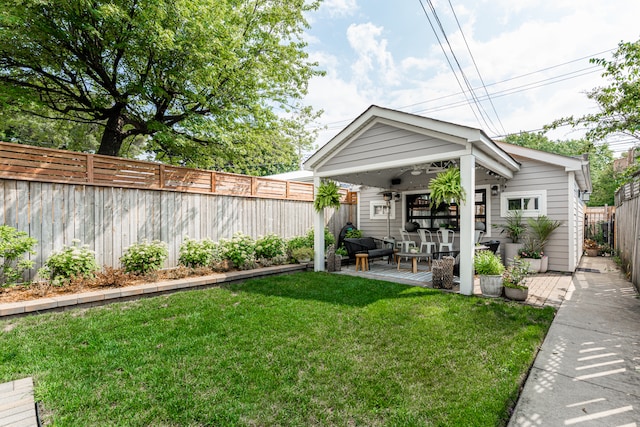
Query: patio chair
[[405, 241], [479, 235], [426, 240], [445, 237]]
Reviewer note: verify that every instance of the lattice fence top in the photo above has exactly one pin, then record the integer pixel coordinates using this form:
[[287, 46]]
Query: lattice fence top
[[24, 162]]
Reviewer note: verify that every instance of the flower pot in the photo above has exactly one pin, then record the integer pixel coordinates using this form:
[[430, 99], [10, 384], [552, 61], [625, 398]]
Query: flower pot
[[491, 286], [592, 252], [544, 265], [510, 252], [534, 264], [516, 294]]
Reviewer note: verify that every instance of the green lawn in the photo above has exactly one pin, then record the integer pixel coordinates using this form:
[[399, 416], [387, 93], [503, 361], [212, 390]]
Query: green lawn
[[295, 350]]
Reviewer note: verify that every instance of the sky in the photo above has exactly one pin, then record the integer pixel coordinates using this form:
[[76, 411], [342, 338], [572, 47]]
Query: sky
[[530, 57]]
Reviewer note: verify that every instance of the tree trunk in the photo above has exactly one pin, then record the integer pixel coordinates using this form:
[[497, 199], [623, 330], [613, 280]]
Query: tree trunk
[[113, 135]]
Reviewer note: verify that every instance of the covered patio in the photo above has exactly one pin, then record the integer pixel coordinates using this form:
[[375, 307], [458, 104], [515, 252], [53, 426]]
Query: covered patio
[[398, 152], [548, 289]]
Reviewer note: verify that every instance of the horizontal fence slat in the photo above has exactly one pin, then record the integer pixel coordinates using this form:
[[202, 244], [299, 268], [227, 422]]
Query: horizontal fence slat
[[41, 164]]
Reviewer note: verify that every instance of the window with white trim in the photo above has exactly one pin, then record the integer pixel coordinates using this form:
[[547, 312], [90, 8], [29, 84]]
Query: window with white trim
[[531, 203]]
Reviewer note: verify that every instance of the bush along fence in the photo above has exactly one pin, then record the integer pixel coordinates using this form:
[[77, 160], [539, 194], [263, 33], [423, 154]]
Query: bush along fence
[[58, 208], [78, 262]]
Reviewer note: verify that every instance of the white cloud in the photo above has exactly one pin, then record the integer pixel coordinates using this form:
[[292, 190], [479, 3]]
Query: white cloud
[[373, 56], [340, 7]]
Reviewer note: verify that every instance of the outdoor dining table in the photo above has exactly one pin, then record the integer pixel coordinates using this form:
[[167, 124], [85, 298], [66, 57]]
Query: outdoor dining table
[[414, 259]]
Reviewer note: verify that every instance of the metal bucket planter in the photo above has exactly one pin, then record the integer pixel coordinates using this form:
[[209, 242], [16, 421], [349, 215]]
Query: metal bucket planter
[[491, 286]]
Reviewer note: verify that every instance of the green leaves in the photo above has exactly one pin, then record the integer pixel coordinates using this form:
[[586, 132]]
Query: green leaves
[[446, 187], [193, 77], [327, 196]]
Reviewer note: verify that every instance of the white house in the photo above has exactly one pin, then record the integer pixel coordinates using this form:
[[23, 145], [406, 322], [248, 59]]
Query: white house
[[388, 151]]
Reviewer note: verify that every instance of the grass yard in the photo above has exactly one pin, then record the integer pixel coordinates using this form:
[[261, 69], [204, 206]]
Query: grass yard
[[294, 350]]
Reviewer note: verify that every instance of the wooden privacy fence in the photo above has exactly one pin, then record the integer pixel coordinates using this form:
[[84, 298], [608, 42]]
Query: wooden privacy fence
[[30, 163], [102, 209], [628, 229]]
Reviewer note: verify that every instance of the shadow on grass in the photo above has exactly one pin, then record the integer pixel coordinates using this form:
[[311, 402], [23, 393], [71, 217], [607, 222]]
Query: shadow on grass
[[331, 288]]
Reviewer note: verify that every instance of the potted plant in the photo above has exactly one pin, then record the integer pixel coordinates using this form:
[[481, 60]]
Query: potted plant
[[531, 254], [302, 255], [591, 247], [514, 280], [514, 228], [327, 196], [446, 187], [490, 268], [541, 229]]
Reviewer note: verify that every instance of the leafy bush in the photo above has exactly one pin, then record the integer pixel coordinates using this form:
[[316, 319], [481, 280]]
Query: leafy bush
[[515, 275], [354, 233], [329, 239], [487, 263], [194, 253], [144, 257], [301, 254], [298, 242], [69, 263], [14, 245], [240, 250], [270, 246]]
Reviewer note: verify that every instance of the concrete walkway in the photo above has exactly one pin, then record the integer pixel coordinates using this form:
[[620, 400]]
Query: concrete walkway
[[17, 408], [587, 372]]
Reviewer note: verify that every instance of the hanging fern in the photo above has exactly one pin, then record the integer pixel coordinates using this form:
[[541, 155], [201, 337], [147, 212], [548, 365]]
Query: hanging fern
[[445, 187], [328, 196]]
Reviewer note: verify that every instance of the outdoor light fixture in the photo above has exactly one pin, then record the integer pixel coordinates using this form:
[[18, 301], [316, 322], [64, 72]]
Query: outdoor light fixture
[[495, 190], [387, 197]]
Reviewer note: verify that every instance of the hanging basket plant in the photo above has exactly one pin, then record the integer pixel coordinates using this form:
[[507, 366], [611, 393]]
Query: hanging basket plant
[[446, 187], [327, 196]]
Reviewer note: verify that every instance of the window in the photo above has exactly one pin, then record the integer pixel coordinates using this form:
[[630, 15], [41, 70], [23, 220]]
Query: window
[[378, 210], [531, 203], [419, 210]]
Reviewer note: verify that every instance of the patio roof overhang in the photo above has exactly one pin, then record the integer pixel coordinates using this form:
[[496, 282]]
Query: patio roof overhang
[[399, 151]]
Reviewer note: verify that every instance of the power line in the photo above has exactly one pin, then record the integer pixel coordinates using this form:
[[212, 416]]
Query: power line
[[476, 67]]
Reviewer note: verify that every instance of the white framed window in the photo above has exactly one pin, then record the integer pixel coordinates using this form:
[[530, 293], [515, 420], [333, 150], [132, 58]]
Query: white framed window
[[531, 203], [378, 210]]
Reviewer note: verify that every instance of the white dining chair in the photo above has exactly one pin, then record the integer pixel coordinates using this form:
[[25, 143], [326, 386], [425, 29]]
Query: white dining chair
[[426, 239], [405, 241], [445, 237]]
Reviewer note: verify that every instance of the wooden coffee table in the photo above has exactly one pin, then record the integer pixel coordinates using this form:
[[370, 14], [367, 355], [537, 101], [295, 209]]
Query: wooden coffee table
[[414, 259]]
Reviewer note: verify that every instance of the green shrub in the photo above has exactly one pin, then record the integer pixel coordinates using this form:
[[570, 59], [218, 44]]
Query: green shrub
[[241, 250], [301, 254], [270, 246], [144, 257], [487, 263], [329, 239], [14, 245], [354, 233], [71, 262], [298, 242], [196, 253]]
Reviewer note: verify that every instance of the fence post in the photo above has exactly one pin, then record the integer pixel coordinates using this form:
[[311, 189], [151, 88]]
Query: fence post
[[90, 168], [161, 176]]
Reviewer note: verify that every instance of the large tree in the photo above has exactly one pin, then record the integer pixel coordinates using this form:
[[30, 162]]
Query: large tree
[[197, 78], [619, 102]]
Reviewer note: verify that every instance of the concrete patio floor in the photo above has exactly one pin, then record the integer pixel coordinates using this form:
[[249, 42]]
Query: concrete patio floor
[[545, 289]]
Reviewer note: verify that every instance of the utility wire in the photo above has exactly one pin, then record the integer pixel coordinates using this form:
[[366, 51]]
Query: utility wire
[[448, 60], [484, 86]]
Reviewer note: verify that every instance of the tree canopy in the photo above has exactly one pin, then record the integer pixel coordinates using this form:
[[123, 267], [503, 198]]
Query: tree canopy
[[208, 83], [619, 102]]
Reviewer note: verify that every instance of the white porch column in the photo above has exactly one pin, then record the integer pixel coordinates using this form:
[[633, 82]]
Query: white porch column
[[467, 223], [318, 233]]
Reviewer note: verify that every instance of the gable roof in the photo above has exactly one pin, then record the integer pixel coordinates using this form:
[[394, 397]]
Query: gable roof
[[579, 165], [453, 139]]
